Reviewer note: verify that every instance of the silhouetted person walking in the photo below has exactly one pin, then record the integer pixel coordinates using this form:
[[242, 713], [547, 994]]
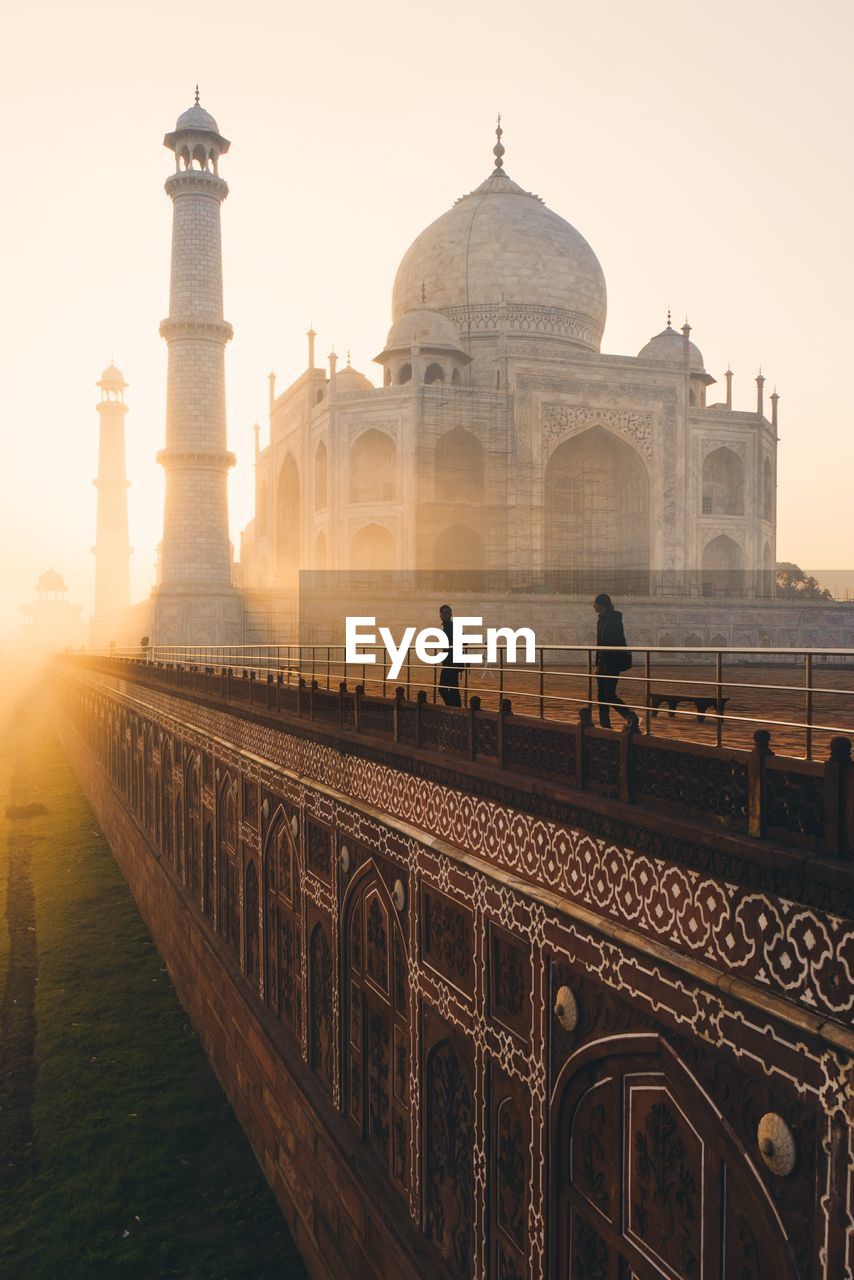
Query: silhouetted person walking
[[449, 681], [610, 666]]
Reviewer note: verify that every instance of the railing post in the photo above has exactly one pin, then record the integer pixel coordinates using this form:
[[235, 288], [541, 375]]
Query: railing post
[[627, 738], [542, 683], [269, 690], [647, 675], [280, 680], [808, 703], [358, 694], [473, 708], [251, 687], [756, 783], [585, 722], [342, 694], [837, 790], [504, 710], [419, 706], [399, 695], [312, 691]]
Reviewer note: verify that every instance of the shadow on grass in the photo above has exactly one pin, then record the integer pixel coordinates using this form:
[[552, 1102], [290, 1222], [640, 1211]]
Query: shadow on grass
[[144, 1171]]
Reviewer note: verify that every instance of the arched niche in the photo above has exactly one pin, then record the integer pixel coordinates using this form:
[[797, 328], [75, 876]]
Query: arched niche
[[597, 514], [283, 921], [288, 517], [459, 467], [320, 477], [372, 547], [373, 467], [722, 572], [320, 551], [377, 1059], [434, 373], [262, 510], [723, 483], [650, 1180], [767, 491]]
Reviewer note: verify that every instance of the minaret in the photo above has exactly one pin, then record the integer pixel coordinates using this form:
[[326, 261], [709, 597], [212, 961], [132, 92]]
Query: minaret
[[112, 552], [195, 602]]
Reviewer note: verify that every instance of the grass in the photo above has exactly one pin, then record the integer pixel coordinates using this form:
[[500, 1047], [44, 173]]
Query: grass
[[136, 1166]]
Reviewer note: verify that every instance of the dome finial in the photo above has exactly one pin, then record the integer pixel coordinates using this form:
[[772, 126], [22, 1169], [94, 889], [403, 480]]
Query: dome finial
[[197, 93], [423, 291], [669, 325], [498, 150]]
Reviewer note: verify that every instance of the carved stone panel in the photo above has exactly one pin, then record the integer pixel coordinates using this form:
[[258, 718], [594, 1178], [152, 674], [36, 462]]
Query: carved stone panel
[[447, 939]]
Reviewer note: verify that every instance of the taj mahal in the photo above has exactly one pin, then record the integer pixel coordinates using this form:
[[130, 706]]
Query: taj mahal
[[497, 437]]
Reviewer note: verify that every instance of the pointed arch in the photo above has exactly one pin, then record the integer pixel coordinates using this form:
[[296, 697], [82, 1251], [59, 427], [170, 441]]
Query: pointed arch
[[166, 799], [288, 518], [626, 1111], [227, 862], [193, 824], [597, 513], [320, 477], [460, 467], [372, 467], [281, 880], [377, 1058], [262, 509], [372, 547], [723, 483], [251, 923], [722, 567], [320, 552]]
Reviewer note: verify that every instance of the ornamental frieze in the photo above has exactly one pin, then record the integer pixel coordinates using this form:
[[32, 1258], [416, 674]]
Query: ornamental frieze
[[560, 420], [358, 427], [711, 443]]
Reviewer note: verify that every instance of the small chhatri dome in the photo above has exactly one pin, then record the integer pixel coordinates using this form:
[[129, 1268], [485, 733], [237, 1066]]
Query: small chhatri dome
[[195, 117], [500, 246], [668, 347], [50, 580], [350, 379], [196, 131], [423, 328], [112, 377]]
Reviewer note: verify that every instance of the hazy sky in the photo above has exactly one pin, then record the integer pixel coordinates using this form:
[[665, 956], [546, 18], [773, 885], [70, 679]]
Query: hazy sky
[[704, 150]]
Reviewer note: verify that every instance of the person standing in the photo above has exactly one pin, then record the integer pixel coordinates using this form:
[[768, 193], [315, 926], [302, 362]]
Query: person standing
[[610, 665], [449, 680]]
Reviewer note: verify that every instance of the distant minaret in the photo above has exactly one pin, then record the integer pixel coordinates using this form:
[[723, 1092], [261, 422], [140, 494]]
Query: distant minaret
[[112, 552], [195, 602]]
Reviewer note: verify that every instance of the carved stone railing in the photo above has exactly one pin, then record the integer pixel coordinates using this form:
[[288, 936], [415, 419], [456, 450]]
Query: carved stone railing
[[805, 803]]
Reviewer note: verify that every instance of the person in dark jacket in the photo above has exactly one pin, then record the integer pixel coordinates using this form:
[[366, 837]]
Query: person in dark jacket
[[609, 665], [449, 680]]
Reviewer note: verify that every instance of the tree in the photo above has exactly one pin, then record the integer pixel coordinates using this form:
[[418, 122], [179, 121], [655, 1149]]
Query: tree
[[794, 584]]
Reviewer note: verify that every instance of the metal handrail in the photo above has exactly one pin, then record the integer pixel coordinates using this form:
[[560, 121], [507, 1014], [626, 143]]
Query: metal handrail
[[325, 663]]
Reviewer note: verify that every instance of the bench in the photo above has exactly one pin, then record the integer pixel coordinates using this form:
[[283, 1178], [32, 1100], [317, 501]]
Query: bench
[[702, 703]]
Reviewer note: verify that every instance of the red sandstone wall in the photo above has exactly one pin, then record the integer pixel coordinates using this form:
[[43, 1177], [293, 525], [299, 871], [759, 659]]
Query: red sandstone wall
[[492, 1092]]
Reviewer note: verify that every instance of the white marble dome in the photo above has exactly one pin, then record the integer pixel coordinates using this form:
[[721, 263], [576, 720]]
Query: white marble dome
[[668, 347], [424, 328], [113, 377], [501, 245], [195, 117], [350, 379]]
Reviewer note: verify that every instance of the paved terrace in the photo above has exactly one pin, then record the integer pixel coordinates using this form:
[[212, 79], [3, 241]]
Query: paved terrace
[[721, 771]]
